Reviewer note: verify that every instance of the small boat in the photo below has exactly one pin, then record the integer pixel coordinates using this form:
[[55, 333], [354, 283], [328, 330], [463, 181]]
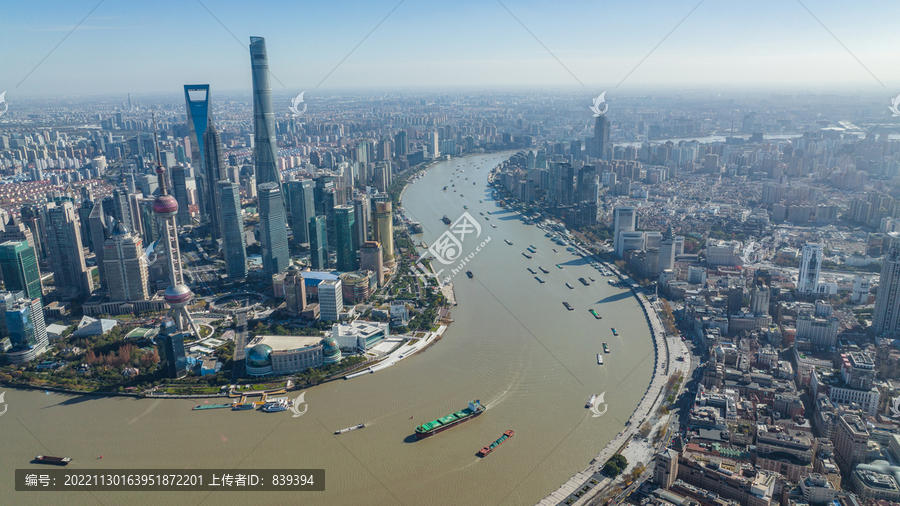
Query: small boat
[[615, 333], [554, 250], [526, 255], [590, 402], [484, 452], [531, 246], [558, 266], [592, 279], [469, 273], [349, 429], [545, 271], [465, 207], [605, 347], [445, 188], [531, 270], [539, 279], [446, 220], [495, 226], [568, 306], [53, 461], [599, 359], [480, 202], [570, 286], [481, 213], [487, 219], [583, 281], [594, 313], [508, 241]]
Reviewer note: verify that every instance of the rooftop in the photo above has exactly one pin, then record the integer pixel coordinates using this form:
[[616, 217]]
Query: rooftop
[[286, 343]]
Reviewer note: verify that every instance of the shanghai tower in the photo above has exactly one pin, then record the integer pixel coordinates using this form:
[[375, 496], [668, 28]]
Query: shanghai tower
[[264, 153]]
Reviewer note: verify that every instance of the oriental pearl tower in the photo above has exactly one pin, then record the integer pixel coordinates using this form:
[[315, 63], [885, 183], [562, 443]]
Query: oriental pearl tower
[[165, 207]]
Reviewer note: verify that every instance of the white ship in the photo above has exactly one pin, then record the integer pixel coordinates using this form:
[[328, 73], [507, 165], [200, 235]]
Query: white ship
[[590, 402], [278, 405]]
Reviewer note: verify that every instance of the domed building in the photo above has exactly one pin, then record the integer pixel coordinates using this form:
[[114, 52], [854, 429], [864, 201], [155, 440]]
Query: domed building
[[330, 350], [284, 355]]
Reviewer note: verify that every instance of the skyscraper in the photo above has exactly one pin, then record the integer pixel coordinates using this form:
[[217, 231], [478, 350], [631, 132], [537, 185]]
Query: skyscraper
[[370, 259], [26, 329], [624, 220], [66, 254], [302, 203], [273, 229], [234, 243], [601, 137], [19, 267], [345, 222], [810, 267], [667, 251], [126, 271], [318, 255], [401, 144], [97, 226], [214, 159], [264, 153], [886, 318], [122, 207], [384, 229], [196, 98], [180, 190], [331, 299], [170, 346]]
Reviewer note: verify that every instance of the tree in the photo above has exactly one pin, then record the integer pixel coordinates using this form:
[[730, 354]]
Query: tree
[[615, 465]]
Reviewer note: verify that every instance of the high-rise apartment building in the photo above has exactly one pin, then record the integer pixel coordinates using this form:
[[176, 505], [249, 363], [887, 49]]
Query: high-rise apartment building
[[19, 267], [126, 271], [886, 317], [851, 438], [234, 242], [273, 229], [810, 267], [601, 137]]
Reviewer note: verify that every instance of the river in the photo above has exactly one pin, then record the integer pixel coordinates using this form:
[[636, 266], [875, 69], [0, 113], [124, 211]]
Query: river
[[513, 346]]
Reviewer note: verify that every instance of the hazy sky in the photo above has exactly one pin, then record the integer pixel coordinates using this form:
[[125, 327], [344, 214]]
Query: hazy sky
[[151, 47]]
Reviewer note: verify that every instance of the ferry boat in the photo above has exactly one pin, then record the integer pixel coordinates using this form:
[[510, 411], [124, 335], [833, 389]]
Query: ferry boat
[[469, 273], [349, 429], [539, 279], [570, 286], [583, 281], [531, 270], [465, 207], [441, 424], [605, 347], [568, 306], [484, 452], [508, 241], [446, 220], [275, 406], [599, 359], [526, 255], [590, 402], [54, 461], [615, 333], [594, 313], [545, 271]]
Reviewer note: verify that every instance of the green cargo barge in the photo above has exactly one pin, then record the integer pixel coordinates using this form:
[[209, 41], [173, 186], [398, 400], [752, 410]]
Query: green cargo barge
[[441, 424]]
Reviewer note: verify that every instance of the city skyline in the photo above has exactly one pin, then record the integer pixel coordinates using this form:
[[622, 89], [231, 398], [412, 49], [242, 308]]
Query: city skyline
[[829, 43]]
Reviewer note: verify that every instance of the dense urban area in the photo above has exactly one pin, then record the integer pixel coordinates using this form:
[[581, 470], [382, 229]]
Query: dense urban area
[[218, 246]]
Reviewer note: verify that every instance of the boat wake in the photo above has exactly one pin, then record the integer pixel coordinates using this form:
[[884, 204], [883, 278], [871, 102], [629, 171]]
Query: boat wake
[[519, 376]]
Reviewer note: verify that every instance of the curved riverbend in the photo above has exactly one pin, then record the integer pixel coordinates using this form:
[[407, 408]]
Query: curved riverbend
[[512, 345]]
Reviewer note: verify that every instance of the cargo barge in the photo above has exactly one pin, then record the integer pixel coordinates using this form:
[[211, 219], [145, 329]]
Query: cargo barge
[[594, 313], [53, 461], [568, 306], [484, 452], [441, 424]]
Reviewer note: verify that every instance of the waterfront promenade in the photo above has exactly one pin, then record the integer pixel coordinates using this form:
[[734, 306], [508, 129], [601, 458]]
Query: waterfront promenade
[[628, 442]]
